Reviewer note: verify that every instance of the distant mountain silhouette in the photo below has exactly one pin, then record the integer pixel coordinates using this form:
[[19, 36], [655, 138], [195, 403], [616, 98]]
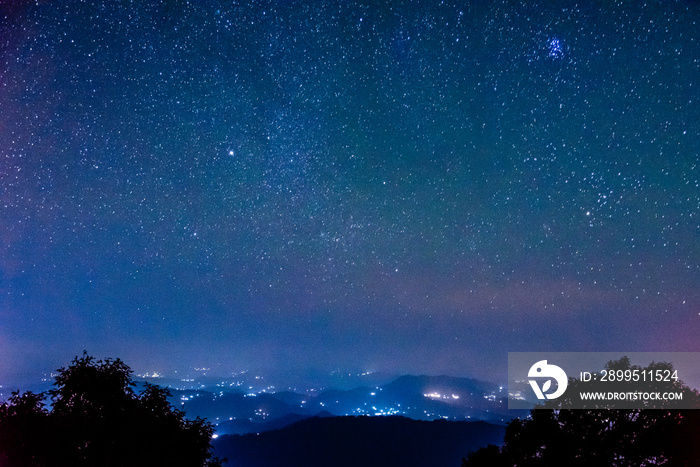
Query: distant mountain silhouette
[[360, 441], [417, 397], [241, 427], [420, 383]]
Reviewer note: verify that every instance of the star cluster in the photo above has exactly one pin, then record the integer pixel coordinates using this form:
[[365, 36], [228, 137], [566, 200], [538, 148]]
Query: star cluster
[[414, 186]]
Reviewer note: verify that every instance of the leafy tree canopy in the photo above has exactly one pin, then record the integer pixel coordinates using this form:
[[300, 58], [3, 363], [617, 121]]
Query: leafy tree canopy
[[555, 435], [97, 419]]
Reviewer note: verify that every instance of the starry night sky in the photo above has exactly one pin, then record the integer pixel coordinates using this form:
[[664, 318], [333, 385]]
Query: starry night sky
[[417, 186]]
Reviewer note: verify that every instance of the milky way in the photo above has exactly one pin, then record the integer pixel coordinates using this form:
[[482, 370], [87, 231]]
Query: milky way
[[417, 186]]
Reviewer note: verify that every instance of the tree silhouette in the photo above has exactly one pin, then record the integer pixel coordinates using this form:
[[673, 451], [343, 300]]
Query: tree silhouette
[[601, 434], [23, 430], [97, 419]]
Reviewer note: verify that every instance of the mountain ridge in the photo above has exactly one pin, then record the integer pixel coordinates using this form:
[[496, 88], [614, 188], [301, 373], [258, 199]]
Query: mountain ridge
[[360, 440]]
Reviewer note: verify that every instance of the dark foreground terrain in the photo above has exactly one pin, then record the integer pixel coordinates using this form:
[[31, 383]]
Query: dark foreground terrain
[[360, 441]]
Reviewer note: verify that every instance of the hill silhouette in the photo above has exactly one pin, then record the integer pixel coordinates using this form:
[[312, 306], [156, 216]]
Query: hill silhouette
[[366, 441], [416, 397]]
